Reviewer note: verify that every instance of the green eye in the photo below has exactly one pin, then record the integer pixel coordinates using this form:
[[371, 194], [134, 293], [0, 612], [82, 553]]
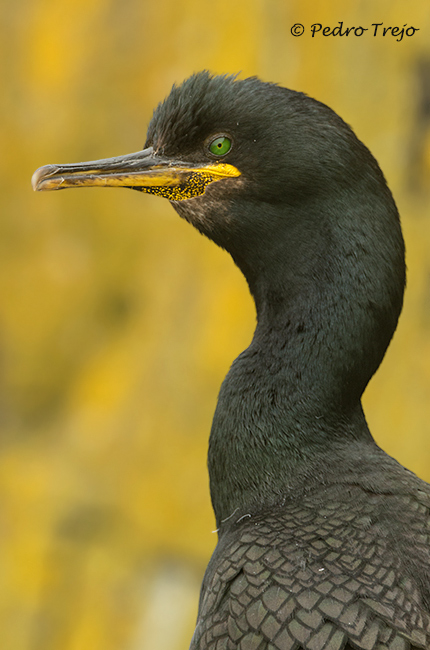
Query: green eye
[[220, 146]]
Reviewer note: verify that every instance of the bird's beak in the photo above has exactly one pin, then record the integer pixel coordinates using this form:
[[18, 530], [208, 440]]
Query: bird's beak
[[143, 171]]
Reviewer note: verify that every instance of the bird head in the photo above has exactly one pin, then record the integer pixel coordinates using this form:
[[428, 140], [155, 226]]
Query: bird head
[[280, 181], [250, 164]]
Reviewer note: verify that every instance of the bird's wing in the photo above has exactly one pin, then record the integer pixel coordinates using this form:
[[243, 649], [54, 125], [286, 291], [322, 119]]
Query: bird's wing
[[323, 574]]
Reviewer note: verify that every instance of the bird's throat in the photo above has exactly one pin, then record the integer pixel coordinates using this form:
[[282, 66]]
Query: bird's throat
[[294, 395]]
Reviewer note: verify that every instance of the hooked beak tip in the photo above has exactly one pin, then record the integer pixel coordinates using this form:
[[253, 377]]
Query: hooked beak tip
[[40, 175]]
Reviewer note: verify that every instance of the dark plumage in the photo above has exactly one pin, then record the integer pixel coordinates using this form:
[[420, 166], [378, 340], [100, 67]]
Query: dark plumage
[[324, 540]]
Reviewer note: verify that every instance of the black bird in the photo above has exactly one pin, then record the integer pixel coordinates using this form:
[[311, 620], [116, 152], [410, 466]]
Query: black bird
[[324, 539]]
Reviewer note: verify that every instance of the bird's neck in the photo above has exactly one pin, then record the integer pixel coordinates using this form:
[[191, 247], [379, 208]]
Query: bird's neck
[[291, 402], [279, 411]]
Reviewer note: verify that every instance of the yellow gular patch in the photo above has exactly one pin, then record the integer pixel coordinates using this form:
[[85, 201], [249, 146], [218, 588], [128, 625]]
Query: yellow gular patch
[[195, 184]]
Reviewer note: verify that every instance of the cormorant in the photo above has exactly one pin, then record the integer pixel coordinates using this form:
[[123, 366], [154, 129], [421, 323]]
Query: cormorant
[[324, 540]]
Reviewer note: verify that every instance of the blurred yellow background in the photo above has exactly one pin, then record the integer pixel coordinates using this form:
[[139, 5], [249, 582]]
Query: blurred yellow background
[[118, 321]]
